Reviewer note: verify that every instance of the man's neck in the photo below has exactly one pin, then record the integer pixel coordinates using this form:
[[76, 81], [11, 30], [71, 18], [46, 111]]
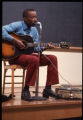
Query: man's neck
[[28, 26]]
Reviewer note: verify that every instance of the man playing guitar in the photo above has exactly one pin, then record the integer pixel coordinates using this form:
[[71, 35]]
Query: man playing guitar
[[31, 61]]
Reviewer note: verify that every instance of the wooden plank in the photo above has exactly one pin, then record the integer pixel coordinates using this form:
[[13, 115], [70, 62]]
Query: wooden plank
[[71, 49], [50, 109], [44, 111]]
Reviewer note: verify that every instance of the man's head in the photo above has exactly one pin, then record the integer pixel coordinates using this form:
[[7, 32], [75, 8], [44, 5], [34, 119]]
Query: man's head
[[30, 17]]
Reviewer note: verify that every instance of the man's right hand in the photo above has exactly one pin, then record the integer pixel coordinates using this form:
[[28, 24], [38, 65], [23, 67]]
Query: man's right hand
[[18, 43]]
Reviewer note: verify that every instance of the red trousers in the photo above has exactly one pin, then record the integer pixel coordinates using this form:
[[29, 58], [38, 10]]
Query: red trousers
[[31, 62]]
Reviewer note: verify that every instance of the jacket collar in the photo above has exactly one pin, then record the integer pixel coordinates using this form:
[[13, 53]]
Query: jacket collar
[[25, 27]]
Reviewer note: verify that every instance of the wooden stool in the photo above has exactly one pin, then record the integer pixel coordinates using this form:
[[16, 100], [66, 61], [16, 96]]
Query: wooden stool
[[13, 68]]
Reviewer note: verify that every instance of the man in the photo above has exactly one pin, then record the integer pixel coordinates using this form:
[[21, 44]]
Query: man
[[31, 62]]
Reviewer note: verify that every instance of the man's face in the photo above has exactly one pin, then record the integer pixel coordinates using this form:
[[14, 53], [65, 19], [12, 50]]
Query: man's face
[[31, 18]]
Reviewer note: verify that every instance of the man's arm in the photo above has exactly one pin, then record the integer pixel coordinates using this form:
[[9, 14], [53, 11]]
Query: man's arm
[[8, 29], [11, 28]]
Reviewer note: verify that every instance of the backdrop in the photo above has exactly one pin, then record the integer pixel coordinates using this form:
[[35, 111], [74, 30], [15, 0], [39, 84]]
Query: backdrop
[[61, 21]]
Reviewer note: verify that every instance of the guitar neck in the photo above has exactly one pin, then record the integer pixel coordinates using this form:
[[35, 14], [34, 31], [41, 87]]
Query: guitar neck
[[44, 44], [27, 38]]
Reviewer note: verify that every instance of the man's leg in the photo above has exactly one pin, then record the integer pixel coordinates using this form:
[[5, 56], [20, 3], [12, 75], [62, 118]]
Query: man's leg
[[52, 74], [52, 69], [31, 63]]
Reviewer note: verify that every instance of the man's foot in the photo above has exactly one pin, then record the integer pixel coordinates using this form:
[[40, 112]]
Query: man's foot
[[49, 93], [25, 95]]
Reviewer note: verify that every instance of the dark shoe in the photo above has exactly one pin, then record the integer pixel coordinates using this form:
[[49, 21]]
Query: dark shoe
[[49, 93], [25, 95], [6, 98]]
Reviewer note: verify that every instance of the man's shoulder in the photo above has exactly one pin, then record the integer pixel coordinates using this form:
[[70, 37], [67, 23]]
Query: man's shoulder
[[17, 22]]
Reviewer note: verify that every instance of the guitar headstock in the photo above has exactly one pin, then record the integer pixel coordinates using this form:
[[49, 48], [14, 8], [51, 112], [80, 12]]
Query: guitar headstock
[[64, 44]]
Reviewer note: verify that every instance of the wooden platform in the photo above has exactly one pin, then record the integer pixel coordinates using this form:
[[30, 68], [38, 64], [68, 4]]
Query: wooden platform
[[51, 109]]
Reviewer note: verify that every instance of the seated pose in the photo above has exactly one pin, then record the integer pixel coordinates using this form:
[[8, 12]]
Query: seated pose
[[31, 61]]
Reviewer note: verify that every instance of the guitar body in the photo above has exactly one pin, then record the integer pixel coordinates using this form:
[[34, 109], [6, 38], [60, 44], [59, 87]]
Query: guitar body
[[9, 51]]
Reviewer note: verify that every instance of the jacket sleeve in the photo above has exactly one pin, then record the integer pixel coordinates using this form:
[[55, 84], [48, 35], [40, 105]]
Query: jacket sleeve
[[7, 29]]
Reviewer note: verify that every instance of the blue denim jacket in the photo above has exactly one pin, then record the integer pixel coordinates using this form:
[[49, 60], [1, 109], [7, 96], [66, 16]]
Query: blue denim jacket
[[21, 28]]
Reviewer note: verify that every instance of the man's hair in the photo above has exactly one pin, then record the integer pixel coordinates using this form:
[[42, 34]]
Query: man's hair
[[26, 11]]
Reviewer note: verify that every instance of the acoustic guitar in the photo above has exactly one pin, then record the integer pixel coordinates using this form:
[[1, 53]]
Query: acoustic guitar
[[10, 51]]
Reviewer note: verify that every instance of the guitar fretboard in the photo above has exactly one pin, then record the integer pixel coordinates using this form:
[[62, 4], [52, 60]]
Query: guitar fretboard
[[41, 44]]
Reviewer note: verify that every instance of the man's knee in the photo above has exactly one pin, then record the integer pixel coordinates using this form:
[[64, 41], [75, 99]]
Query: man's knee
[[53, 57]]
